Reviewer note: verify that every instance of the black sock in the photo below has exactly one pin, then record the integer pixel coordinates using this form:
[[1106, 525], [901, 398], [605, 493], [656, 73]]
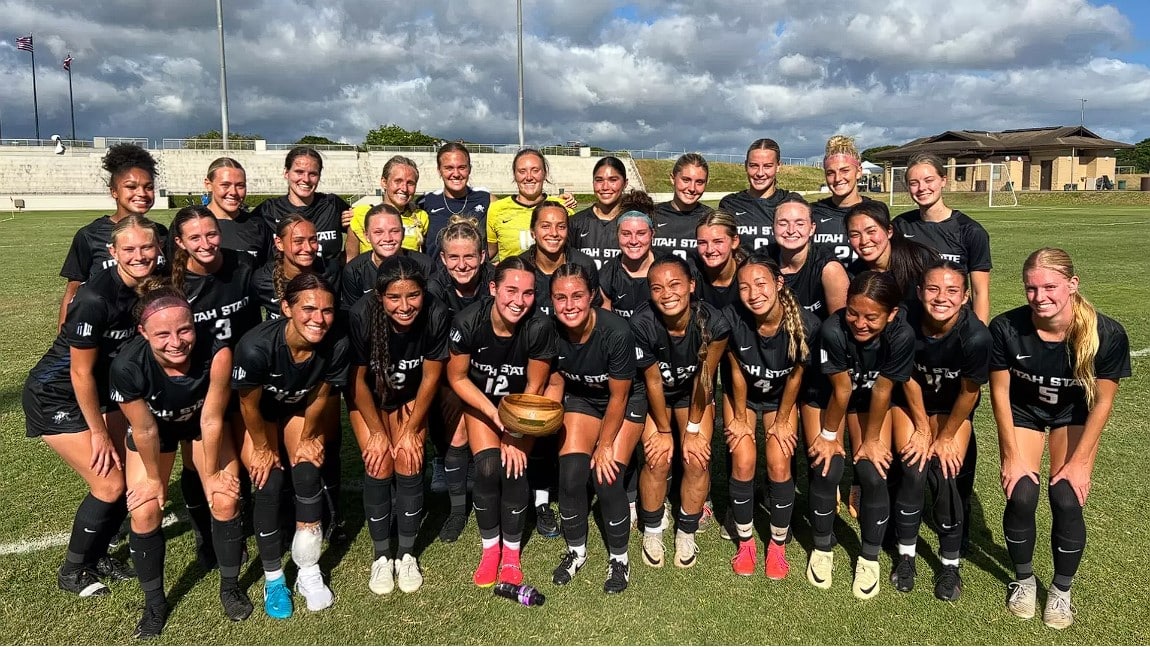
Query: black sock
[[908, 504], [377, 513], [486, 493], [874, 509], [148, 556], [782, 494], [455, 471], [947, 512], [116, 517], [688, 523], [742, 504], [308, 484], [616, 512], [1018, 526], [331, 471], [266, 520], [228, 541], [408, 510], [823, 501], [574, 470], [516, 498], [88, 526], [197, 504], [649, 520], [1067, 533]]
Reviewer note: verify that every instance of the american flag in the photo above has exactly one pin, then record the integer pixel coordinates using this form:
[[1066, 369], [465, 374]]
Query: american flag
[[24, 43], [68, 63]]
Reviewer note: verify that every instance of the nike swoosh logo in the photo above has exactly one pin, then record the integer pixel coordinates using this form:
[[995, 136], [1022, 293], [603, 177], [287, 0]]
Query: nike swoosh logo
[[824, 514], [908, 235], [566, 518], [660, 224], [620, 296], [583, 234], [481, 349], [815, 577], [1068, 552], [436, 210], [1021, 356], [744, 349], [825, 219], [740, 213], [477, 508], [617, 523], [562, 357], [744, 501], [870, 589], [883, 522], [268, 534], [1013, 541], [519, 511], [452, 469], [784, 507], [632, 414], [377, 519], [413, 514], [275, 374], [89, 531], [950, 527], [908, 514]]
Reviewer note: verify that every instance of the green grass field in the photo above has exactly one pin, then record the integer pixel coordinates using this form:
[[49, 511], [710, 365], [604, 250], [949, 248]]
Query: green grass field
[[707, 604]]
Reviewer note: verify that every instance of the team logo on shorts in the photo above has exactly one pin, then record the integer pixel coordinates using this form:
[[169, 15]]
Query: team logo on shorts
[[238, 374], [456, 336], [117, 396], [61, 417]]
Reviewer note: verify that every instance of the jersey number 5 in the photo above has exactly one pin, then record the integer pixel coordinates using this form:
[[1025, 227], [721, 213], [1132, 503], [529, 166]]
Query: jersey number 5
[[1048, 394]]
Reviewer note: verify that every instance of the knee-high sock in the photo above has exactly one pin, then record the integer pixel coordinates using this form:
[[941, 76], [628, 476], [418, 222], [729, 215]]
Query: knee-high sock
[[1067, 533], [91, 522], [228, 542], [377, 511], [1019, 528], [197, 504], [516, 499], [574, 470], [823, 500], [908, 504], [408, 510], [616, 512], [266, 521], [875, 509], [148, 557], [455, 469], [486, 493], [782, 495], [742, 506]]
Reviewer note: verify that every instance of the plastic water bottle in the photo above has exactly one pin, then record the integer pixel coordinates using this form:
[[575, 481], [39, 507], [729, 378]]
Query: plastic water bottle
[[524, 594]]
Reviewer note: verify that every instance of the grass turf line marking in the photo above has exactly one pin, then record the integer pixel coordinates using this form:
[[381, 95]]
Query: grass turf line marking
[[56, 540], [1141, 353]]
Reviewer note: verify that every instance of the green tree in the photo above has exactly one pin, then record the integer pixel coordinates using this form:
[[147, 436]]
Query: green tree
[[1138, 157], [316, 140], [868, 154], [216, 135], [393, 135]]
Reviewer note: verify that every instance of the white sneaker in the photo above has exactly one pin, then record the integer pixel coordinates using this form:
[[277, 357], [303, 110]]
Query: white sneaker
[[653, 551], [1022, 597], [866, 579], [686, 550], [407, 574], [309, 583], [382, 580], [820, 567], [1059, 613]]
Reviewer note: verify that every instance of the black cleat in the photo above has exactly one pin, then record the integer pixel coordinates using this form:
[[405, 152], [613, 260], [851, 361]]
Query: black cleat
[[566, 570], [948, 584], [618, 576], [237, 605], [152, 623], [82, 582], [453, 527], [546, 523], [903, 574], [110, 568]]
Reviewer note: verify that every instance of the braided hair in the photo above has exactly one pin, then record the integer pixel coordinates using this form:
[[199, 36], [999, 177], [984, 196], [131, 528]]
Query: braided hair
[[391, 270], [798, 348], [699, 317]]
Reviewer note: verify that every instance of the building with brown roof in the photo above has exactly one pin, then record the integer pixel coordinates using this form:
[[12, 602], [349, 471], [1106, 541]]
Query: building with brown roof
[[1054, 157]]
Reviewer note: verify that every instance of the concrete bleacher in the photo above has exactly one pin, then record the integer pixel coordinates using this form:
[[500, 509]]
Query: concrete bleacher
[[74, 180]]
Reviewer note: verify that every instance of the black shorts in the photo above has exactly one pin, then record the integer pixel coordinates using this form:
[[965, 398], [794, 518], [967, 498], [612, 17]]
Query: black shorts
[[49, 411], [169, 440], [595, 407], [1027, 420]]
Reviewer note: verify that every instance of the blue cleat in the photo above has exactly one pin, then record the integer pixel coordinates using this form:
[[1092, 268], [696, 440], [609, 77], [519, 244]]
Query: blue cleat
[[277, 599]]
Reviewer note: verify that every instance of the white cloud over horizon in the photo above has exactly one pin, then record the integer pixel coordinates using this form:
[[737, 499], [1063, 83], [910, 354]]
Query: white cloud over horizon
[[683, 75]]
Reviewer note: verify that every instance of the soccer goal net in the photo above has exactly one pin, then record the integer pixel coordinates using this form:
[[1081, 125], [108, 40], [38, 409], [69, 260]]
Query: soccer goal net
[[986, 183]]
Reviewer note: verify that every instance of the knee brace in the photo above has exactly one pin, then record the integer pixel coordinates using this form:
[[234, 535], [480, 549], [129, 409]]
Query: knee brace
[[574, 470], [308, 486], [485, 493]]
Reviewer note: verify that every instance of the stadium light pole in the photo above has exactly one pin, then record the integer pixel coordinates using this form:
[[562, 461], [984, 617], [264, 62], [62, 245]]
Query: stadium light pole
[[1082, 113], [223, 74], [519, 66]]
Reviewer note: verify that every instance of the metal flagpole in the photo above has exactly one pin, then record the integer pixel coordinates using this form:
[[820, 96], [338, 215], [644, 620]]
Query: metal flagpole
[[223, 74], [71, 103], [25, 44], [519, 17]]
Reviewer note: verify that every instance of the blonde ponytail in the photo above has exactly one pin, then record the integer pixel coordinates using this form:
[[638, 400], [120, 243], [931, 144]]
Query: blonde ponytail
[[1082, 336]]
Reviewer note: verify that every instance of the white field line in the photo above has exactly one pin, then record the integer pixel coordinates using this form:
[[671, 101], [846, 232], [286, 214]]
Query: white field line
[[1141, 353], [55, 541]]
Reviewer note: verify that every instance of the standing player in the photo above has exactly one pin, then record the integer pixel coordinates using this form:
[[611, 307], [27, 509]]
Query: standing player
[[624, 278], [240, 229], [680, 341], [605, 413], [173, 387], [754, 207], [1054, 368], [66, 401], [328, 212], [399, 181], [399, 347], [499, 348], [288, 372], [456, 198], [882, 249], [297, 251], [809, 270], [131, 178], [956, 236], [594, 229], [384, 229], [867, 348], [551, 249], [676, 220], [717, 257], [769, 352], [951, 363], [509, 220], [461, 277], [842, 166]]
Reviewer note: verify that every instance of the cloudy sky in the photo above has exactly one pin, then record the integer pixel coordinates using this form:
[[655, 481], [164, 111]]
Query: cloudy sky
[[706, 75]]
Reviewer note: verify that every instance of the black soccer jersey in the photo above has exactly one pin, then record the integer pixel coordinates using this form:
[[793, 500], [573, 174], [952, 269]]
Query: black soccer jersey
[[359, 276], [498, 365], [626, 292], [890, 355], [223, 304], [595, 237], [755, 216], [719, 296], [831, 228], [425, 339], [543, 281], [764, 361], [807, 283], [174, 400], [1043, 390], [609, 353], [959, 238], [246, 233], [89, 252], [941, 364], [678, 357], [675, 230], [263, 285], [325, 212], [101, 317], [263, 359], [441, 285], [440, 208]]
